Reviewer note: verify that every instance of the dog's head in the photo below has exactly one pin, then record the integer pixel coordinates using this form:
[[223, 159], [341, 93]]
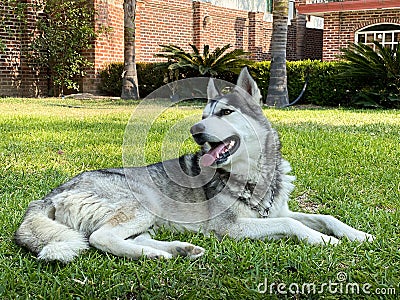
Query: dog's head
[[232, 125]]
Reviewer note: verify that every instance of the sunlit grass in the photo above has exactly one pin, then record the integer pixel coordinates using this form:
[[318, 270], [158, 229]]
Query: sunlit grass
[[346, 163]]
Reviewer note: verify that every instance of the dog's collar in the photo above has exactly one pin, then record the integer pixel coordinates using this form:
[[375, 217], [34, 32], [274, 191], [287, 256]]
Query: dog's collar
[[248, 196], [250, 200]]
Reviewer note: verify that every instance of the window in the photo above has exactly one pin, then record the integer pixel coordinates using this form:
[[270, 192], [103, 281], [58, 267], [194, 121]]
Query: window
[[386, 34]]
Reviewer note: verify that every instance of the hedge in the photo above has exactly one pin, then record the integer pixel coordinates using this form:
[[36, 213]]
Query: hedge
[[150, 78], [324, 86]]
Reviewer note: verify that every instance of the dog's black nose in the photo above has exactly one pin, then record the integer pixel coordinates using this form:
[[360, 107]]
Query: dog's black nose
[[200, 138], [197, 129]]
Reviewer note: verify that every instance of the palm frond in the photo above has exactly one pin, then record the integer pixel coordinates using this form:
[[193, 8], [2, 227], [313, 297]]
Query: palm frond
[[377, 68], [195, 50], [206, 63]]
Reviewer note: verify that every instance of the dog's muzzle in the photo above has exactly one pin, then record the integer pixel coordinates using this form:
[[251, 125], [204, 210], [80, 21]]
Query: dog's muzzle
[[197, 128], [198, 134]]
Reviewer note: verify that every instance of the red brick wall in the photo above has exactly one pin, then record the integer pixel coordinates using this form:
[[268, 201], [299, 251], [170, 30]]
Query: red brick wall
[[260, 33], [291, 45], [339, 28], [302, 42], [180, 22], [158, 22], [17, 78], [109, 46], [162, 22], [218, 26], [313, 43]]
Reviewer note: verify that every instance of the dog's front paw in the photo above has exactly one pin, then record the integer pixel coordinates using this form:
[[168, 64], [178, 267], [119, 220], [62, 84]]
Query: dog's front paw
[[322, 239], [158, 255], [369, 237], [360, 236], [189, 250]]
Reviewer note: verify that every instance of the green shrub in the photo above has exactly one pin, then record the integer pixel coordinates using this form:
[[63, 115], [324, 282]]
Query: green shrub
[[150, 77], [377, 70], [64, 31], [111, 79], [324, 85], [324, 88]]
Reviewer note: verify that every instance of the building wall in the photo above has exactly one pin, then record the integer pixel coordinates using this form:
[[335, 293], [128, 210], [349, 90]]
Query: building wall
[[180, 22], [218, 26], [260, 33], [313, 45], [340, 27], [17, 77], [109, 46], [162, 22]]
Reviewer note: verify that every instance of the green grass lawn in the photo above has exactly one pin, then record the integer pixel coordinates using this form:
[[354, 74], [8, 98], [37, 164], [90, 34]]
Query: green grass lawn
[[346, 163]]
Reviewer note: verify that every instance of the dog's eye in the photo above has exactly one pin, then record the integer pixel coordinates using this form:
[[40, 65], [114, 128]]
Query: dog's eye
[[226, 112]]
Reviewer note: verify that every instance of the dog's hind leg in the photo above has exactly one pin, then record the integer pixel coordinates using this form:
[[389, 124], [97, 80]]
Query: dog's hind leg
[[115, 235], [175, 247], [331, 226], [115, 240]]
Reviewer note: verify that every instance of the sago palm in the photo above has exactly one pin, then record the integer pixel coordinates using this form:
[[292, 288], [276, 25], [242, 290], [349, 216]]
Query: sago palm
[[378, 71], [208, 63]]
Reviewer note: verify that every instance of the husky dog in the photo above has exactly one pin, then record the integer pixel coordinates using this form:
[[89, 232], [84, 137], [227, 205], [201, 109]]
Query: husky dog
[[237, 186]]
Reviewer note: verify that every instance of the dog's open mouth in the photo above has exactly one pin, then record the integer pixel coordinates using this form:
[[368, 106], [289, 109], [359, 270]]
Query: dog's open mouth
[[220, 151]]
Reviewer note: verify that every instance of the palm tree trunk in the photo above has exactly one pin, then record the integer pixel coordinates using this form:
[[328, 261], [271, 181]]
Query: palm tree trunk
[[129, 76], [277, 89]]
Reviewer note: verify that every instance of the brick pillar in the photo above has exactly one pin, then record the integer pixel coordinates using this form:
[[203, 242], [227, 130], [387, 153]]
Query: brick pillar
[[201, 24], [291, 43], [259, 36], [331, 36], [196, 23], [109, 46], [300, 36]]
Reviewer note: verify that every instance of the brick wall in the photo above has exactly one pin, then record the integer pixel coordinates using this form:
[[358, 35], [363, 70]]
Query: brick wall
[[180, 22], [302, 42], [17, 78], [313, 44], [162, 22], [218, 26], [260, 33], [109, 46], [291, 45], [340, 27]]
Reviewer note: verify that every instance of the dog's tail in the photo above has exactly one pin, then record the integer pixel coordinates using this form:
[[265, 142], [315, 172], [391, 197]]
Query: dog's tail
[[51, 240]]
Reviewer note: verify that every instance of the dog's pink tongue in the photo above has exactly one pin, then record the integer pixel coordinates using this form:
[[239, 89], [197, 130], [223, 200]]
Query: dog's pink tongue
[[211, 156]]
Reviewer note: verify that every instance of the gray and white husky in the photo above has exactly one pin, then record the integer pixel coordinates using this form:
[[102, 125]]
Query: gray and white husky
[[237, 186]]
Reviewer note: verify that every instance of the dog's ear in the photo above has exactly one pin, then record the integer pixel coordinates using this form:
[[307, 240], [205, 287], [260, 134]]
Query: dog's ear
[[247, 83], [212, 91]]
